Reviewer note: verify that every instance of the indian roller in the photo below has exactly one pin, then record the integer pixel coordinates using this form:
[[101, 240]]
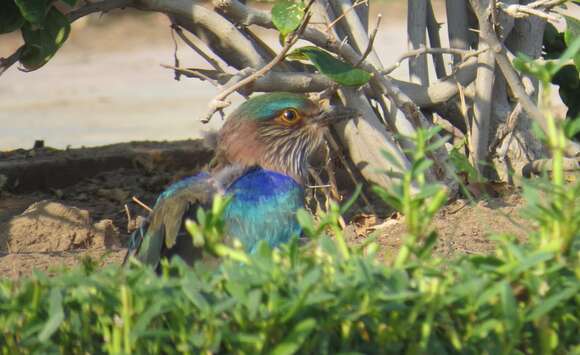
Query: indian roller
[[261, 161]]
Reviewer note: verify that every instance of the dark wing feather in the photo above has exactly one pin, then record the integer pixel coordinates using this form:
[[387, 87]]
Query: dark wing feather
[[163, 235], [160, 236]]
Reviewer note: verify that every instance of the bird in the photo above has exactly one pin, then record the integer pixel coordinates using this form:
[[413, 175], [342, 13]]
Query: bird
[[260, 163]]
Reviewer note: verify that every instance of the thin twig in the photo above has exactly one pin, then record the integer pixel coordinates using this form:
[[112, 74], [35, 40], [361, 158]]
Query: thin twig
[[219, 103], [371, 42], [194, 73], [177, 74], [140, 203], [333, 23], [9, 61], [504, 130], [519, 11], [334, 145], [193, 46], [464, 54]]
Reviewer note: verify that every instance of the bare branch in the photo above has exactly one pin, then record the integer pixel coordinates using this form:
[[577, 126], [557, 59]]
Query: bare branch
[[505, 129], [464, 54], [214, 63], [540, 166], [9, 61], [192, 73], [519, 11], [223, 37], [343, 15], [480, 125], [371, 42], [512, 78], [416, 29], [434, 40]]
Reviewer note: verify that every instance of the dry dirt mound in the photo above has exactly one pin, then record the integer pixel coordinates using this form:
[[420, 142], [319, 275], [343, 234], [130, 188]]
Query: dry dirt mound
[[48, 226], [463, 227], [48, 235]]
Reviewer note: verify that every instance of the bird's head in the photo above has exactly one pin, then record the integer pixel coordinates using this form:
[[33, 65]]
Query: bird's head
[[277, 131]]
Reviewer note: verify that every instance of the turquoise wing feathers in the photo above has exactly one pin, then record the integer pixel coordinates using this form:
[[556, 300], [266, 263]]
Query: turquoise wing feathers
[[263, 207]]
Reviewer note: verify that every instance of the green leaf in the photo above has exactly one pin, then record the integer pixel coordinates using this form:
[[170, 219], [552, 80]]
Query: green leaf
[[42, 43], [573, 52], [462, 164], [10, 20], [291, 344], [528, 66], [552, 302], [339, 71], [56, 315], [508, 305], [572, 30], [572, 127], [34, 11], [287, 15]]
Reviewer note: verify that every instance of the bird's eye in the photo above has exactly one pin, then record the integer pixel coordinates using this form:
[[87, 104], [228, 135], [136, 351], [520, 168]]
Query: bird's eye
[[290, 116]]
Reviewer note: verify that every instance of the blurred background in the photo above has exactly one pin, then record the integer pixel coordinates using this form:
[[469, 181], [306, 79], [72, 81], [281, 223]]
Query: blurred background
[[106, 84]]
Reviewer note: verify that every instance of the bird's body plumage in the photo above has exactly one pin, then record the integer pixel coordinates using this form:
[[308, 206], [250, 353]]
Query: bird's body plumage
[[261, 159]]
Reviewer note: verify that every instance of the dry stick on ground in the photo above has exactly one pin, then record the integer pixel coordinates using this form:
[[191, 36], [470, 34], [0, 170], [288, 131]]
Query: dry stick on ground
[[572, 148], [219, 103], [141, 203]]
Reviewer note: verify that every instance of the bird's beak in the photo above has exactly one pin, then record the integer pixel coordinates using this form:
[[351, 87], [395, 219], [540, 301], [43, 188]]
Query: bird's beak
[[333, 114]]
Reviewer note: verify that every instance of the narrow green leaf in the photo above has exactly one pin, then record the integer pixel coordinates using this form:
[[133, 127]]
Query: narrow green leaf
[[34, 11], [509, 305], [11, 19], [293, 341], [551, 302], [42, 43], [56, 315], [572, 127], [337, 70], [287, 15], [306, 222], [572, 30]]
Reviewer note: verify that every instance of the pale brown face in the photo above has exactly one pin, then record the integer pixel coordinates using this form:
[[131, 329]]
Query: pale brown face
[[283, 138]]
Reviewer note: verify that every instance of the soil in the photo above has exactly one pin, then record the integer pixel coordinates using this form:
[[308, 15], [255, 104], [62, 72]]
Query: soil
[[54, 225]]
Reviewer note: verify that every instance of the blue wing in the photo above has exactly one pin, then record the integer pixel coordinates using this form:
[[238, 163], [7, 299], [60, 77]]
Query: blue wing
[[263, 207]]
